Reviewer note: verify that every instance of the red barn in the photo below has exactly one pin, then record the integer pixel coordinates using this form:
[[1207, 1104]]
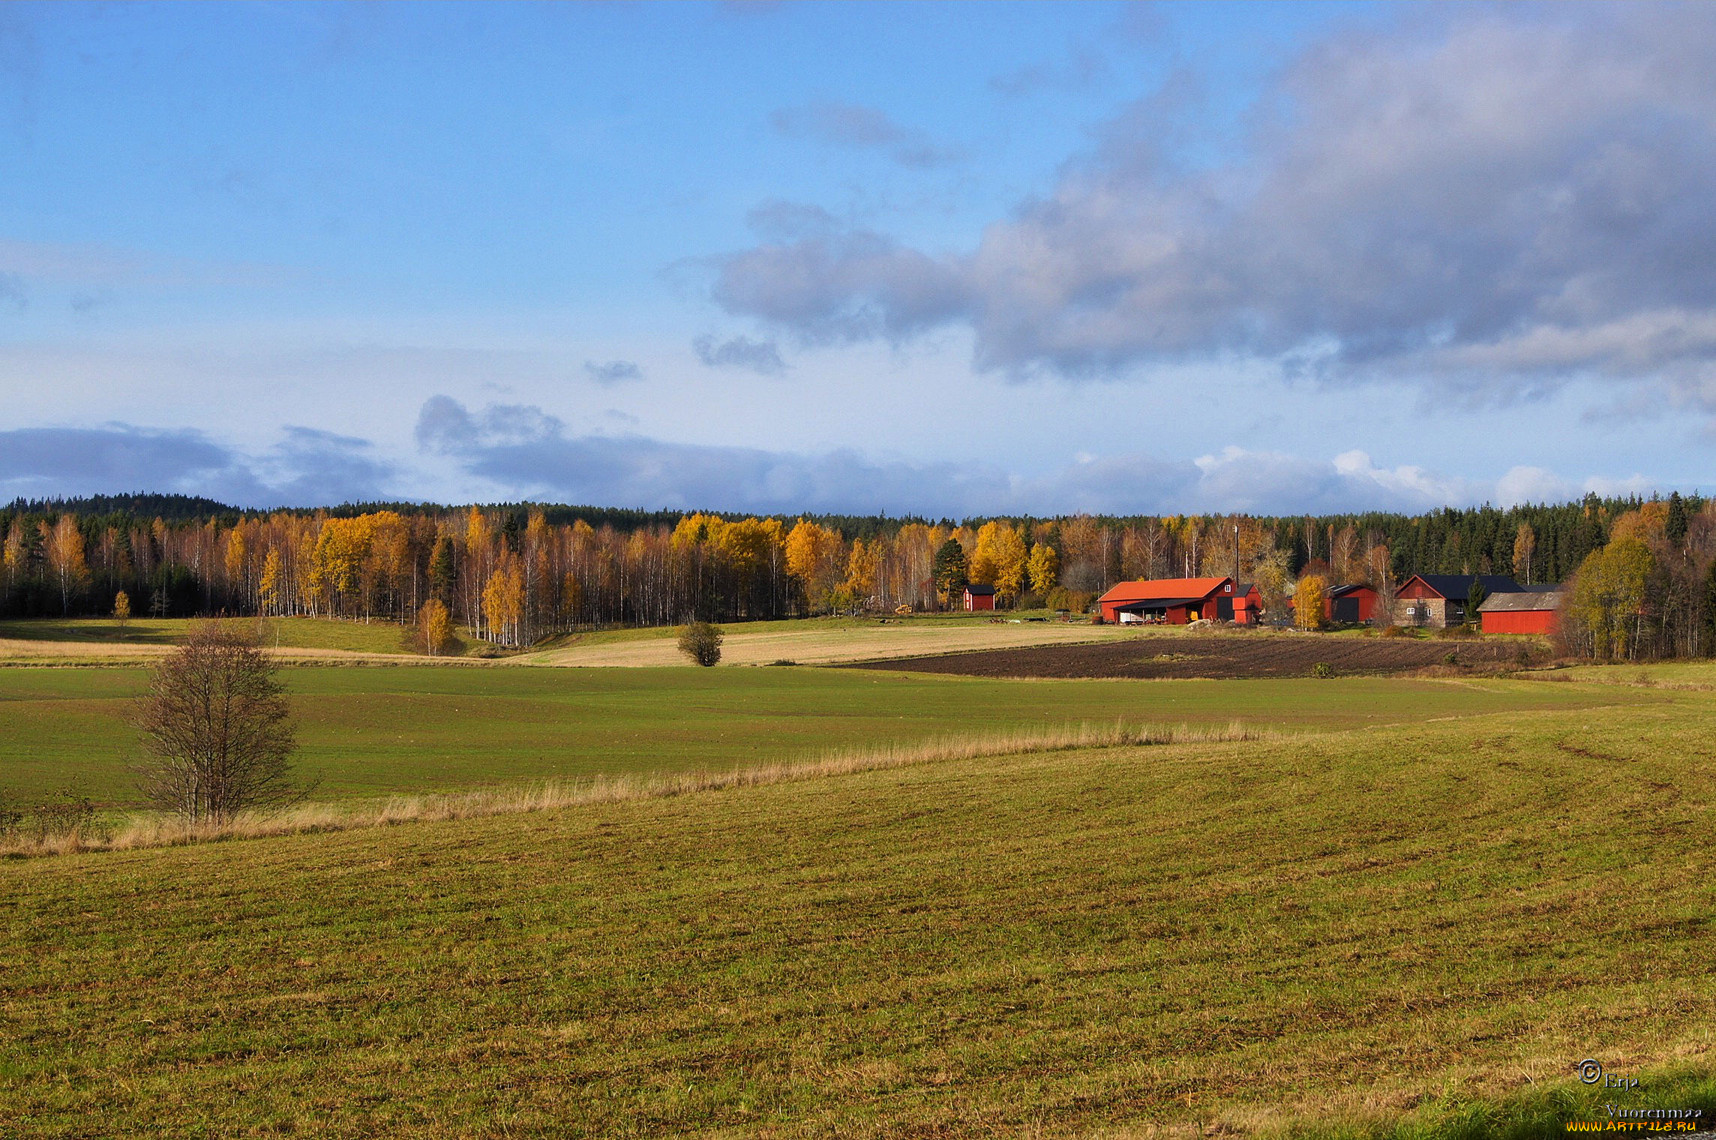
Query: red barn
[[1521, 613], [979, 597], [1349, 605], [1176, 601]]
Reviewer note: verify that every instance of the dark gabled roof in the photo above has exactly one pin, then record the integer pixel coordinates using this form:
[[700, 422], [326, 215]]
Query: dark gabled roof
[[1524, 600], [1343, 591], [979, 591], [1454, 586], [1240, 589]]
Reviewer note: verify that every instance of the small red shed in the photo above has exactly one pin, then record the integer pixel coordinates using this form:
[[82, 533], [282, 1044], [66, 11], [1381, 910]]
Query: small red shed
[[1521, 613], [1247, 604], [979, 597]]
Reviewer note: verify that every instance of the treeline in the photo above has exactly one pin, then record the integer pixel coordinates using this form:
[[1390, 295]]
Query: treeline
[[1650, 590], [516, 573]]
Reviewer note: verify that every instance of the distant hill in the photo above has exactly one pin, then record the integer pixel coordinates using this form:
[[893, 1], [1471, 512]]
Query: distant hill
[[173, 508]]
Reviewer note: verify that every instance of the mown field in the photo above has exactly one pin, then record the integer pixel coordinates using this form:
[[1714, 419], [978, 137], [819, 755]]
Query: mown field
[[374, 731], [1410, 919], [824, 641]]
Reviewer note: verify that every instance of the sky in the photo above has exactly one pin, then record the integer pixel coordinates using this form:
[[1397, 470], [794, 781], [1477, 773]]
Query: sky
[[944, 260]]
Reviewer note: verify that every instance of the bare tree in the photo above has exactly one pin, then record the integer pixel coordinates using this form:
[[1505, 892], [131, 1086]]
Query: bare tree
[[218, 729]]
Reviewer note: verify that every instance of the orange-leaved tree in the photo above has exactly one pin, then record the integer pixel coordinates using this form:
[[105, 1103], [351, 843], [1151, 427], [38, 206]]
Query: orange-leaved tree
[[435, 627]]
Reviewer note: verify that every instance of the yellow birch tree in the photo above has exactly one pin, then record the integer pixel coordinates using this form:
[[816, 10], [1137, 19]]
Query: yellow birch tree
[[1308, 599]]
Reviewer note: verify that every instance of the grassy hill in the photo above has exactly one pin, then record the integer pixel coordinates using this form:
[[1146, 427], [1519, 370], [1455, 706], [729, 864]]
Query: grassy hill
[[1433, 922], [74, 639]]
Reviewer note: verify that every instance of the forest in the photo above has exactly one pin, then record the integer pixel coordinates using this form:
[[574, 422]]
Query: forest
[[513, 574]]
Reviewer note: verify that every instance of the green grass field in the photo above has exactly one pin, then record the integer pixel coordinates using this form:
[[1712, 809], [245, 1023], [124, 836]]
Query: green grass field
[[1426, 907], [287, 633], [408, 728]]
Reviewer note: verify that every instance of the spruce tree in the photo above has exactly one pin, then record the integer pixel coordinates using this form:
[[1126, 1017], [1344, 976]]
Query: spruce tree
[[1475, 595], [1675, 527], [949, 570]]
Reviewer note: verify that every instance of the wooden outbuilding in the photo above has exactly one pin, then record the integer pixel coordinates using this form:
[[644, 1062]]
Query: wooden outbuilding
[[979, 597], [1535, 611], [1247, 604], [1439, 600], [1176, 601], [1350, 604]]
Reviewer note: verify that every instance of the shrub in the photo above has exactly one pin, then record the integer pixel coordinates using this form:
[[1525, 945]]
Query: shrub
[[70, 814], [1396, 631], [1322, 669], [1073, 601], [701, 641]]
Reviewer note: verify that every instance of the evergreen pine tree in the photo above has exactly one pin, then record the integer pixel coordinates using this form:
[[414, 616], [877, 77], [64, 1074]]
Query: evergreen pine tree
[[1675, 526], [442, 573], [949, 570], [1475, 595]]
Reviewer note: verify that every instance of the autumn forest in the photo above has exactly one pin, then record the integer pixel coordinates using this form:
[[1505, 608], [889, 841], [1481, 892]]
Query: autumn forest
[[513, 574]]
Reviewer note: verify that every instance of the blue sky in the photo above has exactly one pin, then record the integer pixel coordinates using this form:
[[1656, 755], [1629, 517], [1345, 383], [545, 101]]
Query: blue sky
[[941, 259]]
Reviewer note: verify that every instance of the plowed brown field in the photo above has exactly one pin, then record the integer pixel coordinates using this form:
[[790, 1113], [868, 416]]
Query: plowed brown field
[[1222, 656]]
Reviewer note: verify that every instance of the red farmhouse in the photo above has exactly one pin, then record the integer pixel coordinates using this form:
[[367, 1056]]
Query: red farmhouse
[[979, 597], [1176, 601], [1439, 600], [1520, 613]]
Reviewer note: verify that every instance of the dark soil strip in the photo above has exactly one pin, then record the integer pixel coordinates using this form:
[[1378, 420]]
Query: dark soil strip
[[1230, 655]]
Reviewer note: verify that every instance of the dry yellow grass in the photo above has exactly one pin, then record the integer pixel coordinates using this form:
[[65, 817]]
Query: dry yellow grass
[[71, 652], [827, 646], [18, 652], [159, 831]]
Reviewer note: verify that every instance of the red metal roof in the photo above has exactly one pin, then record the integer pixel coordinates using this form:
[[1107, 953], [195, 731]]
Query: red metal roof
[[1164, 589]]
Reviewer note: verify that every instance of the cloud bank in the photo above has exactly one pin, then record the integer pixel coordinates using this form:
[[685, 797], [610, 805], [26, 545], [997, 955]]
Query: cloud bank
[[525, 453], [1492, 204], [308, 468], [517, 452]]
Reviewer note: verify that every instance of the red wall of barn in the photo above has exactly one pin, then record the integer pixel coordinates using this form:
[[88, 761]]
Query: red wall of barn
[[980, 601], [1519, 621], [1366, 599], [1418, 590]]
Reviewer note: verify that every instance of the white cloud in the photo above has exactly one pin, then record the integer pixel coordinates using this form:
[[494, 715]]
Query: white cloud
[[1496, 200]]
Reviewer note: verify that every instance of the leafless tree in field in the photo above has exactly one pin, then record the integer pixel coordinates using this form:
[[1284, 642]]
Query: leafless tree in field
[[218, 729]]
